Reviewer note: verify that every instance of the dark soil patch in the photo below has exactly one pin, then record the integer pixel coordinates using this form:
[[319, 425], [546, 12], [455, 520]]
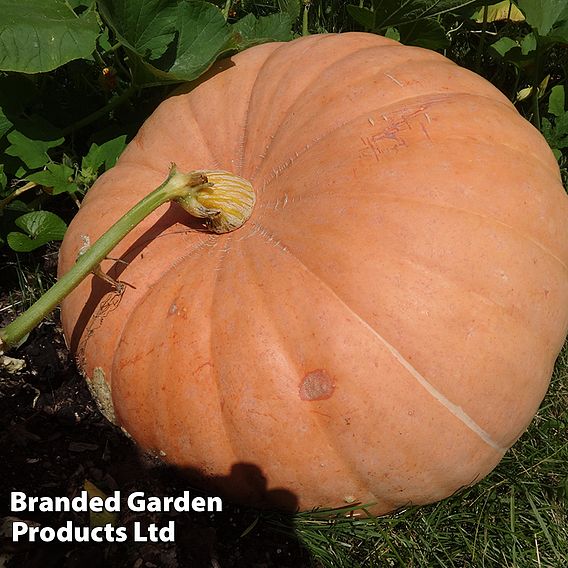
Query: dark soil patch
[[53, 438]]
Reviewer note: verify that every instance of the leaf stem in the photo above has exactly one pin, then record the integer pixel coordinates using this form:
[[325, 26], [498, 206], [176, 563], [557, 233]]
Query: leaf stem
[[305, 18], [7, 200], [176, 186], [536, 85], [481, 44], [227, 9], [113, 48]]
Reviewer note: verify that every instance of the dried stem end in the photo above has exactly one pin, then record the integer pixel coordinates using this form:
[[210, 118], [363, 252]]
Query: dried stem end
[[226, 200]]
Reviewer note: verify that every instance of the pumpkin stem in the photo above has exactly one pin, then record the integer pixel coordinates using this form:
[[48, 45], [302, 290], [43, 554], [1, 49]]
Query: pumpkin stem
[[226, 200]]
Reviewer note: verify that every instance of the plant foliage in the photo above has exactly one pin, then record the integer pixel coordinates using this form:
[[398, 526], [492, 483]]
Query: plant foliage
[[58, 58]]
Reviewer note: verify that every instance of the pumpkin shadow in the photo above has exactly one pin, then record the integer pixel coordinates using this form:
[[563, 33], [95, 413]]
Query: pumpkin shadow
[[254, 527], [173, 216]]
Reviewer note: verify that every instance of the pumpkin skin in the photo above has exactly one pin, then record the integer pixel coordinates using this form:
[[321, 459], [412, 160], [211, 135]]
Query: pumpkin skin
[[385, 325]]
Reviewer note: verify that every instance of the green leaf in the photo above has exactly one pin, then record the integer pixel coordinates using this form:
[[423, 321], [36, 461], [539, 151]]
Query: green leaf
[[147, 27], [18, 206], [503, 45], [107, 154], [363, 16], [3, 179], [80, 3], [5, 123], [104, 155], [174, 40], [58, 177], [542, 14], [559, 32], [504, 10], [40, 35], [561, 130], [556, 135], [32, 152], [290, 7], [252, 31], [556, 100], [40, 228], [392, 33], [427, 33], [202, 36], [528, 44]]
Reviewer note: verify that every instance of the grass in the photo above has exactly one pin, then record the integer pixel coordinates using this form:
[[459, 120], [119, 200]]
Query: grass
[[517, 517], [27, 277]]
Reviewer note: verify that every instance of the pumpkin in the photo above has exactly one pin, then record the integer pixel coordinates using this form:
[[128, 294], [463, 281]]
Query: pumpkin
[[384, 326]]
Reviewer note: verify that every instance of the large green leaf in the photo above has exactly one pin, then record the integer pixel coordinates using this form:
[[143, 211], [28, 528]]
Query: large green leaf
[[202, 36], [41, 35], [365, 16], [543, 14], [147, 27], [175, 40], [426, 33], [40, 228], [290, 7], [250, 31]]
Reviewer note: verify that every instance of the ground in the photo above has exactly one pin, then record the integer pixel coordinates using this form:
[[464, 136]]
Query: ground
[[53, 438]]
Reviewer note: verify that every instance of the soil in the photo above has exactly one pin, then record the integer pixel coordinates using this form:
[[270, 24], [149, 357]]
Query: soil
[[53, 439]]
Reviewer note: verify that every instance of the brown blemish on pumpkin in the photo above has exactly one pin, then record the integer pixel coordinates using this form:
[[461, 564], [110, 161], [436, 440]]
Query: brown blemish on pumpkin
[[173, 309], [316, 385]]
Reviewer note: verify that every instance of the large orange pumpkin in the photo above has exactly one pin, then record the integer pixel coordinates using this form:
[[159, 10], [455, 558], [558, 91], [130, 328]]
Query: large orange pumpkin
[[383, 327]]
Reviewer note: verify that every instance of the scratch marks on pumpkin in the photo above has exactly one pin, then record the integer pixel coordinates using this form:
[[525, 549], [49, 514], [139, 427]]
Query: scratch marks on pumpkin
[[268, 236], [276, 172], [397, 121], [305, 95], [425, 132], [391, 138], [280, 203], [394, 80]]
